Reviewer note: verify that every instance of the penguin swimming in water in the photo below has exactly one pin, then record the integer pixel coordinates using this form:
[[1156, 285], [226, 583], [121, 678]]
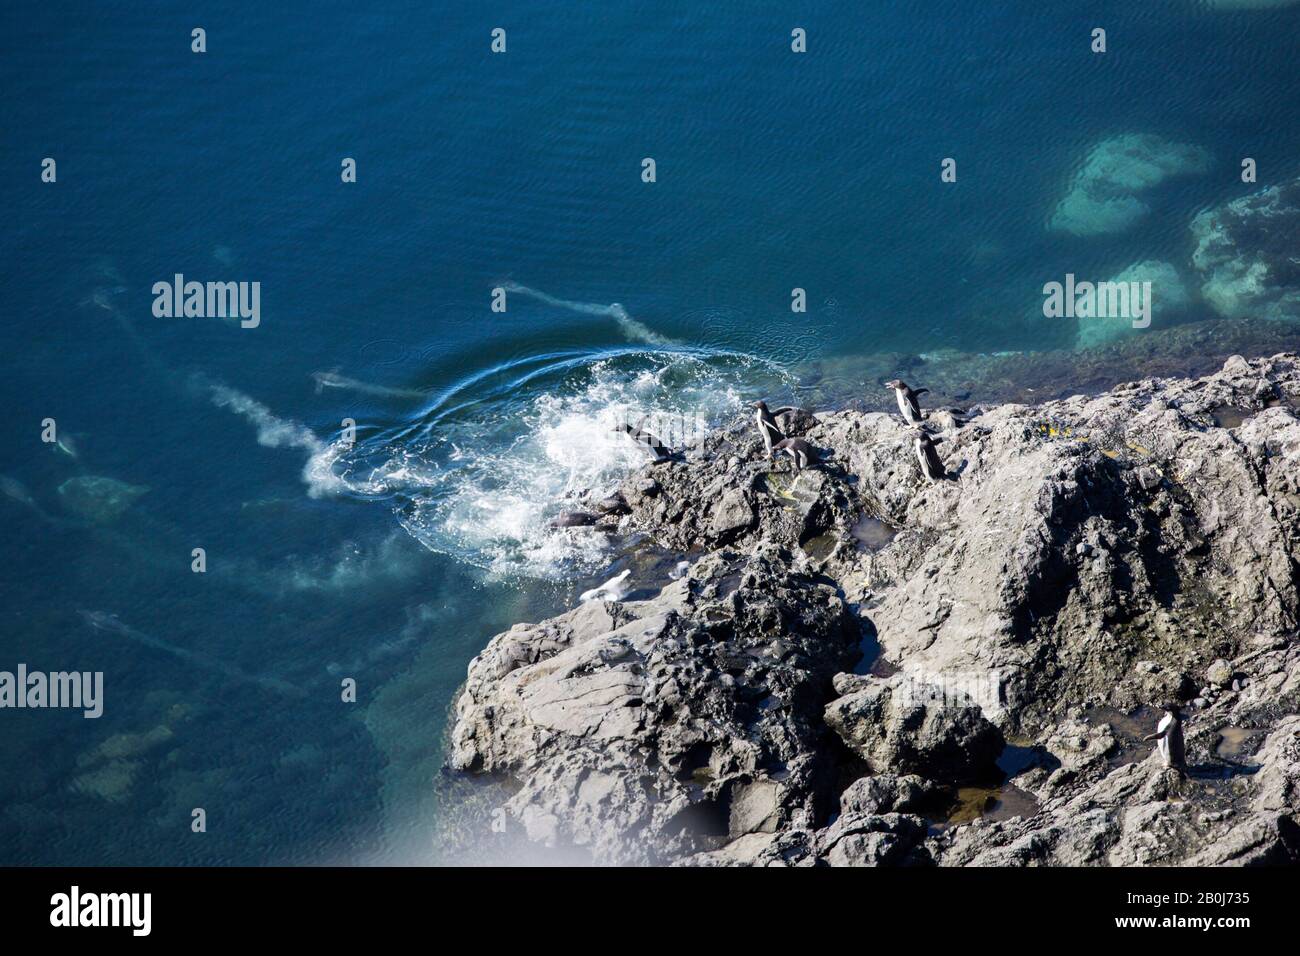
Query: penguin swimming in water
[[767, 426], [931, 465], [1169, 737], [908, 406], [647, 441], [799, 450]]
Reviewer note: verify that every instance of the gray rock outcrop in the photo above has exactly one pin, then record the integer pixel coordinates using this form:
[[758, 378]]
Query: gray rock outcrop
[[808, 695]]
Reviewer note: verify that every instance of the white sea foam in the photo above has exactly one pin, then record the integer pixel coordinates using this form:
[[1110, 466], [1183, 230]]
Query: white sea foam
[[352, 566], [483, 483]]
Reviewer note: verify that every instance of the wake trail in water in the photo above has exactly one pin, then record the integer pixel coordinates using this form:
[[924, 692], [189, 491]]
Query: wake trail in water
[[635, 331], [276, 432], [103, 621], [102, 298], [332, 379]]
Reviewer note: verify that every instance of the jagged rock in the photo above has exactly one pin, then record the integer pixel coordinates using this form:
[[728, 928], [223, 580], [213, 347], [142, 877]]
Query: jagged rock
[[1090, 552], [990, 583], [891, 726], [888, 793], [614, 504], [871, 840], [733, 514], [1219, 674], [667, 726], [1142, 814]]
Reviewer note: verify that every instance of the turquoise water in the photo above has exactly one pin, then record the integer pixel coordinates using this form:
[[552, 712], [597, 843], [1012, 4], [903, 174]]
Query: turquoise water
[[394, 561]]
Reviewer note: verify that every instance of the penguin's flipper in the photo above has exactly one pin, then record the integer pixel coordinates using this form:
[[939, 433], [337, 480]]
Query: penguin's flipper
[[920, 391]]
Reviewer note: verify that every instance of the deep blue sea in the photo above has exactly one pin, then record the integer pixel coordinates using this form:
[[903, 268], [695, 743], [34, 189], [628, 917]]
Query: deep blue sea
[[393, 561]]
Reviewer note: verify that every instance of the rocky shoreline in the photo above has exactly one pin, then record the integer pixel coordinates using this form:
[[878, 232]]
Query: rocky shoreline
[[857, 667]]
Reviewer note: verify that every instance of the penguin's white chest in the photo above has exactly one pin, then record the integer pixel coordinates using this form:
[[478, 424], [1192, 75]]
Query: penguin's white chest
[[765, 431], [905, 408], [1163, 743]]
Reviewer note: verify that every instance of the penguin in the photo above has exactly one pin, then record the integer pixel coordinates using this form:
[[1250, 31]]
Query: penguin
[[931, 465], [615, 589], [799, 450], [767, 426], [1169, 737], [647, 441], [69, 446], [615, 504], [573, 519], [908, 406]]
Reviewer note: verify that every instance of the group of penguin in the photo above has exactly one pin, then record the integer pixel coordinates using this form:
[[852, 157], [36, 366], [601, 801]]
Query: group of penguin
[[777, 443], [1169, 733], [803, 454]]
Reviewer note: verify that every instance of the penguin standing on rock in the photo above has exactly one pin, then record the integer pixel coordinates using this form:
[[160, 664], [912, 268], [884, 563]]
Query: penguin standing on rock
[[1169, 737], [931, 465], [799, 450], [908, 406], [767, 426]]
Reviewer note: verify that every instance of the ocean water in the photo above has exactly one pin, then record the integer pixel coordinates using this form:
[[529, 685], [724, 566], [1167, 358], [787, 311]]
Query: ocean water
[[393, 561]]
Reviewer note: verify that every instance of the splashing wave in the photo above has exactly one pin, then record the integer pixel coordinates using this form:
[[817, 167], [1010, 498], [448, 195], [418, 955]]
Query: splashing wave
[[480, 474]]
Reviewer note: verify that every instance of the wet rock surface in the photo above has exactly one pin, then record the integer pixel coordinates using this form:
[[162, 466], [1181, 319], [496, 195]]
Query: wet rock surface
[[798, 697]]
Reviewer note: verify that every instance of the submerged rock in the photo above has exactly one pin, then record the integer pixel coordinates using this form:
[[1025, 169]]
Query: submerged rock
[[1103, 196], [99, 499], [1091, 557], [1168, 297], [1246, 251]]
